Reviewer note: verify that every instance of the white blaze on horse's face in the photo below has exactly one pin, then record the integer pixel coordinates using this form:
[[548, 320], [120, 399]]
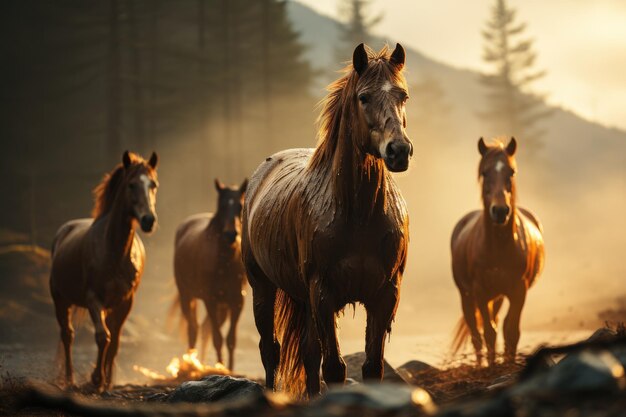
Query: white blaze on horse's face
[[383, 105], [499, 166], [145, 202]]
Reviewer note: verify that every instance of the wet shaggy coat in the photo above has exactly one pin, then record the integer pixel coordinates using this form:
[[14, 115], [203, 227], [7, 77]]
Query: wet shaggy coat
[[322, 228]]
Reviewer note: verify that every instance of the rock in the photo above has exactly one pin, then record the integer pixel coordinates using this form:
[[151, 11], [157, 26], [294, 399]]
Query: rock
[[603, 334], [383, 399], [354, 361], [216, 388], [587, 371], [410, 371]]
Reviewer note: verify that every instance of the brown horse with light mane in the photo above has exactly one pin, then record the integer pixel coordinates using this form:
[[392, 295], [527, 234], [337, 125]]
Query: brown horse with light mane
[[207, 266], [496, 252], [325, 227], [97, 263]]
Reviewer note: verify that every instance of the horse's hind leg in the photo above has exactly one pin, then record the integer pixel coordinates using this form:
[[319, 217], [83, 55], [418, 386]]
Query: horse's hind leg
[[188, 307], [469, 313], [205, 334], [512, 324], [381, 310], [67, 337], [311, 355], [114, 322], [323, 314], [231, 339], [263, 301]]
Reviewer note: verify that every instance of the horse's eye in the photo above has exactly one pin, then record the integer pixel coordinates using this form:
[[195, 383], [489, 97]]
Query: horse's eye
[[153, 185], [404, 97], [363, 98]]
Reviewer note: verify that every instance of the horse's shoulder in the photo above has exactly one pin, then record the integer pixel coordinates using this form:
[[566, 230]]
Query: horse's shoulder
[[529, 215]]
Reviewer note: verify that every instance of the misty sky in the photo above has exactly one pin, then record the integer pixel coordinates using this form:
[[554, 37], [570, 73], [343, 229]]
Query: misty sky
[[582, 44]]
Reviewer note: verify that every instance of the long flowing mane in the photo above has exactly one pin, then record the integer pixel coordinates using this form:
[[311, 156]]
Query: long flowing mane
[[339, 104], [104, 193]]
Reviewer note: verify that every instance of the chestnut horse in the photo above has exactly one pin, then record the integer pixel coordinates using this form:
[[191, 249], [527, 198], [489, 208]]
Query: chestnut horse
[[207, 266], [325, 227], [496, 252], [97, 263]]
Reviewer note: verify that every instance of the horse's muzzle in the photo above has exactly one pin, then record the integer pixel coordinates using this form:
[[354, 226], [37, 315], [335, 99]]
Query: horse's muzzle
[[147, 222], [397, 155], [499, 214], [230, 237]]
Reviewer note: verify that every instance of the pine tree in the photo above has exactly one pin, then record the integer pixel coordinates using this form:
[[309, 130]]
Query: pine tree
[[357, 27], [512, 108]]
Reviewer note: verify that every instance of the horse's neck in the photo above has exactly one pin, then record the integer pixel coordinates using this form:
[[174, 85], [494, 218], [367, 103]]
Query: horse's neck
[[119, 231], [358, 180]]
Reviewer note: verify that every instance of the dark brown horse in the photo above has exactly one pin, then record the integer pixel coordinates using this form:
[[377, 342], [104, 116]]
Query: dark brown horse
[[496, 252], [326, 227], [97, 263], [208, 267]]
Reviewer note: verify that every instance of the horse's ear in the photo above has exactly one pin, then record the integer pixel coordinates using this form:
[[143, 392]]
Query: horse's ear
[[359, 59], [244, 186], [126, 159], [218, 185], [154, 160], [511, 147], [482, 147], [398, 57]]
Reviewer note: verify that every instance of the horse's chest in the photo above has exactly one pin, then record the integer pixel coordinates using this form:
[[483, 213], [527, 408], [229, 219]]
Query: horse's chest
[[120, 283], [499, 272], [361, 261]]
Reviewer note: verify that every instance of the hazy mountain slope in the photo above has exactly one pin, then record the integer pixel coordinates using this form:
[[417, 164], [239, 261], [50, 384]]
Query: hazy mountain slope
[[577, 186]]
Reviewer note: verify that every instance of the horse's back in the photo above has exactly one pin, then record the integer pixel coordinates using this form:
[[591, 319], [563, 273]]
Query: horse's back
[[67, 263], [281, 166]]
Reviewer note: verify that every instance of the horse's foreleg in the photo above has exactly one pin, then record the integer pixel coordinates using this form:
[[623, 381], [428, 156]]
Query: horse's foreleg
[[469, 313], [188, 307], [311, 355], [218, 340], [512, 323], [231, 339], [380, 314], [67, 337], [489, 330], [114, 321], [323, 314], [103, 337]]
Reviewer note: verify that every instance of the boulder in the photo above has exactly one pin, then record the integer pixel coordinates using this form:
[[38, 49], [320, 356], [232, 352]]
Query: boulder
[[586, 371], [354, 361], [371, 399], [216, 388]]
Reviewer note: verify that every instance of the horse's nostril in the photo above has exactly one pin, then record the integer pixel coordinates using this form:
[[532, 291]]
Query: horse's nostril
[[147, 222], [390, 151], [398, 149]]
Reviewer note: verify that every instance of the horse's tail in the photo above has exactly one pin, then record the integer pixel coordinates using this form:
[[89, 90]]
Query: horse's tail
[[290, 325], [462, 332], [173, 314]]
